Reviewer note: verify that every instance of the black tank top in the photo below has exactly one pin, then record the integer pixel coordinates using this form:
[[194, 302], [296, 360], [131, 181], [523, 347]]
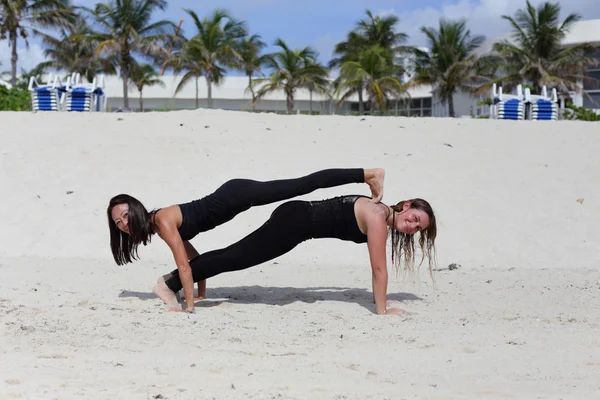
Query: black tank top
[[195, 218], [334, 218], [331, 218]]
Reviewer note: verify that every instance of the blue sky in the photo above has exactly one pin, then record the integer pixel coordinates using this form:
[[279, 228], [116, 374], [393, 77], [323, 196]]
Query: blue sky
[[322, 23]]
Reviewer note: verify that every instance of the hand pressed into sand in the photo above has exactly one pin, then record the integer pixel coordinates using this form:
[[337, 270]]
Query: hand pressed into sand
[[391, 310], [395, 311], [173, 300]]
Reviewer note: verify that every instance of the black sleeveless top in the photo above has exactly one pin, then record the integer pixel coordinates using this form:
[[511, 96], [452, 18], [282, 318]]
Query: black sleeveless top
[[331, 218], [196, 218], [334, 218]]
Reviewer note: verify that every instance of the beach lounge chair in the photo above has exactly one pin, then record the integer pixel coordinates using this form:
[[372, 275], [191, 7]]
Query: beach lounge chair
[[542, 107], [46, 97], [85, 97], [507, 106]]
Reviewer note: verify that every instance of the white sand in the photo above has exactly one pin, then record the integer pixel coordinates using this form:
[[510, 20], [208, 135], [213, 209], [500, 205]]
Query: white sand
[[520, 319]]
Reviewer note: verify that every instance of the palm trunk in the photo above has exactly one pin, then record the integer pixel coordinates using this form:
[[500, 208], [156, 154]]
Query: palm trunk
[[209, 84], [14, 58], [197, 93], [125, 97], [310, 103], [451, 106], [125, 79], [361, 106], [125, 64], [290, 103], [253, 105], [141, 102]]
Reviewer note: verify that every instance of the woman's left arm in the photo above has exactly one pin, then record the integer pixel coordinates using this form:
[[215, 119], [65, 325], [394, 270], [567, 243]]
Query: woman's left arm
[[193, 253]]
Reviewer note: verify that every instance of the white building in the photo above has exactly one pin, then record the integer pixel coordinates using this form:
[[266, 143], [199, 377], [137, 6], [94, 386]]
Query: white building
[[408, 62], [233, 94]]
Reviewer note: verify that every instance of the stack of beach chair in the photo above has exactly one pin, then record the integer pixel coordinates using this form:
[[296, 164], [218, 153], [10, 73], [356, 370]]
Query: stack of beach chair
[[46, 97], [73, 96], [84, 97], [507, 106], [524, 105], [542, 107]]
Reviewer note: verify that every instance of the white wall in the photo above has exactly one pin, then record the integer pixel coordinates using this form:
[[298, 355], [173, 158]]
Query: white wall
[[318, 107]]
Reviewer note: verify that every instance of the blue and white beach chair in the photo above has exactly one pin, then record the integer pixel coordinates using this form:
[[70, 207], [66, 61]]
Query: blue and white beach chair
[[542, 107], [507, 106], [84, 97], [46, 97]]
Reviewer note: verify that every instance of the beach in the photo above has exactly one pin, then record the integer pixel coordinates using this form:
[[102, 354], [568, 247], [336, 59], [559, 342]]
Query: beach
[[516, 316]]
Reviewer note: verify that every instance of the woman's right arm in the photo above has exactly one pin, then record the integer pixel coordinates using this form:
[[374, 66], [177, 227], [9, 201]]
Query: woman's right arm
[[376, 242]]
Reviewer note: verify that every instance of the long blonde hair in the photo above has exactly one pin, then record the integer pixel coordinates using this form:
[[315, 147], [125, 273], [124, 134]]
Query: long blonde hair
[[404, 243]]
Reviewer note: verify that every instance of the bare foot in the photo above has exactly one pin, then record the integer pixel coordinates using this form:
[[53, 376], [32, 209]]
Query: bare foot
[[374, 178], [166, 295]]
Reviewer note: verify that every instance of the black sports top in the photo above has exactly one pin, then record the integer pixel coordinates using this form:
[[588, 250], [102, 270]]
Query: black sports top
[[196, 218], [335, 218], [331, 218]]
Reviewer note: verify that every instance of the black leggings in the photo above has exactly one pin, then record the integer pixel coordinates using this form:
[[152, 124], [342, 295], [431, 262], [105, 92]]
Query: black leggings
[[289, 225], [238, 195]]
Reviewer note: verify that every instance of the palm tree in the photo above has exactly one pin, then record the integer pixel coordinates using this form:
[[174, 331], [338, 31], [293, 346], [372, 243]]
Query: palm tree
[[373, 70], [186, 60], [452, 64], [292, 70], [373, 31], [381, 31], [214, 47], [536, 55], [350, 50], [251, 60], [144, 76], [19, 17], [127, 30], [73, 55], [316, 83]]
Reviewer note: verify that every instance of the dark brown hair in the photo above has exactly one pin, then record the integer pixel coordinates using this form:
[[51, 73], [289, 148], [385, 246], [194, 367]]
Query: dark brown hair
[[402, 242], [123, 245]]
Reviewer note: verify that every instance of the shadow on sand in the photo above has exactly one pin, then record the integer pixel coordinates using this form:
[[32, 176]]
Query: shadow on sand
[[271, 295]]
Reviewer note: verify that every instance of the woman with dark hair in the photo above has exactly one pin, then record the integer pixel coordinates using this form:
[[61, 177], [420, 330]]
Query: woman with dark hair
[[351, 218], [131, 224]]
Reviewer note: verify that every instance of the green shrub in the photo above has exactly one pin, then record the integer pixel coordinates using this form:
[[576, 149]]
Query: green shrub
[[14, 99], [580, 113]]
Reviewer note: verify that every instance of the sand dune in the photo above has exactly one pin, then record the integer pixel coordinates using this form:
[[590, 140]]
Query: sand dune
[[517, 204]]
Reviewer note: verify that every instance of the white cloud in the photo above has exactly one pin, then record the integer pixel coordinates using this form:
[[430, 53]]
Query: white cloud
[[483, 16], [28, 58]]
